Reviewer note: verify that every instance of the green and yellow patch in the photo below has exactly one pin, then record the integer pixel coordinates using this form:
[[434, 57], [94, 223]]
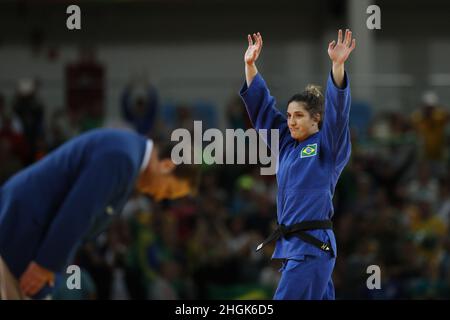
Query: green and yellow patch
[[309, 151]]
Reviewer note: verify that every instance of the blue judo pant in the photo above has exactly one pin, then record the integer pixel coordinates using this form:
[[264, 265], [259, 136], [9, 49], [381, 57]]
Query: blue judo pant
[[306, 278]]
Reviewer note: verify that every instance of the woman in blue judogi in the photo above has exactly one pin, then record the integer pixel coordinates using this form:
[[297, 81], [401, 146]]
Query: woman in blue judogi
[[314, 147]]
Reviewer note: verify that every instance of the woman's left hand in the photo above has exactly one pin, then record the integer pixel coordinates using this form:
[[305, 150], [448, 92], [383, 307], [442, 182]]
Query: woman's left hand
[[340, 51], [35, 278]]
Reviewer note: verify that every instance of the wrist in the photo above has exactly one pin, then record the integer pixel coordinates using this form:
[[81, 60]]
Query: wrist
[[338, 65]]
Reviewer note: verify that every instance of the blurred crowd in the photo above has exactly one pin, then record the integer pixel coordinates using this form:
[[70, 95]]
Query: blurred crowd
[[392, 203]]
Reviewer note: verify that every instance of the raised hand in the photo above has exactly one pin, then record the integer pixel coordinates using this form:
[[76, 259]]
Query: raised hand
[[254, 48], [340, 51]]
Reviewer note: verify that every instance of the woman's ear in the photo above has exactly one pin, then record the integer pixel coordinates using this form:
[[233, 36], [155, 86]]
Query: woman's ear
[[317, 117], [166, 166]]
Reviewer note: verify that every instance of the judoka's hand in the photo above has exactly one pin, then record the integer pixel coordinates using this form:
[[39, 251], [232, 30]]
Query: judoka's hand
[[254, 48], [340, 51], [35, 278]]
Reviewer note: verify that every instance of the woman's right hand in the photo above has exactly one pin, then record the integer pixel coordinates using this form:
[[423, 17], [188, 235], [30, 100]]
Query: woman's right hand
[[254, 48]]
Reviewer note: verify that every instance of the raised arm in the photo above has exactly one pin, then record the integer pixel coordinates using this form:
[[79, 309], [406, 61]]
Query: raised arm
[[338, 99], [258, 101], [251, 55], [339, 52]]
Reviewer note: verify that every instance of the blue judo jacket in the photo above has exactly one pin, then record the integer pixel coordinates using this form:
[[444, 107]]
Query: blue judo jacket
[[48, 208], [308, 170]]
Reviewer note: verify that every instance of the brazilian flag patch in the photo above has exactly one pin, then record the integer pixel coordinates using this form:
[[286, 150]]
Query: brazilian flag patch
[[309, 151]]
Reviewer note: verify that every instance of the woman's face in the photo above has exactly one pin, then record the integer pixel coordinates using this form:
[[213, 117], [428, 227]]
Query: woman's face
[[301, 124], [165, 187]]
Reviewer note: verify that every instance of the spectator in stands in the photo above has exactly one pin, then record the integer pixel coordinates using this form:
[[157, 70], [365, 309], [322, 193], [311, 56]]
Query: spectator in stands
[[30, 111], [139, 106], [430, 122]]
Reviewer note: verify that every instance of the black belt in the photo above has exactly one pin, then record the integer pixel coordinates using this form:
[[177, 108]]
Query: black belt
[[299, 230]]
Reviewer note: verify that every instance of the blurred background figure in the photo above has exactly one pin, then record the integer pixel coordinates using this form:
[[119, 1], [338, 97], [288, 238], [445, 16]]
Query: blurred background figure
[[140, 106], [30, 111], [430, 123], [85, 88]]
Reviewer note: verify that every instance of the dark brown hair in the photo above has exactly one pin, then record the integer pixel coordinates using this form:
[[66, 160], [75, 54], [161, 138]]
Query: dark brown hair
[[312, 100]]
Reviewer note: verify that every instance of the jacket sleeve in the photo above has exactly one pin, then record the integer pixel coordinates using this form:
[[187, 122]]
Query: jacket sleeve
[[97, 183], [261, 109], [336, 131]]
